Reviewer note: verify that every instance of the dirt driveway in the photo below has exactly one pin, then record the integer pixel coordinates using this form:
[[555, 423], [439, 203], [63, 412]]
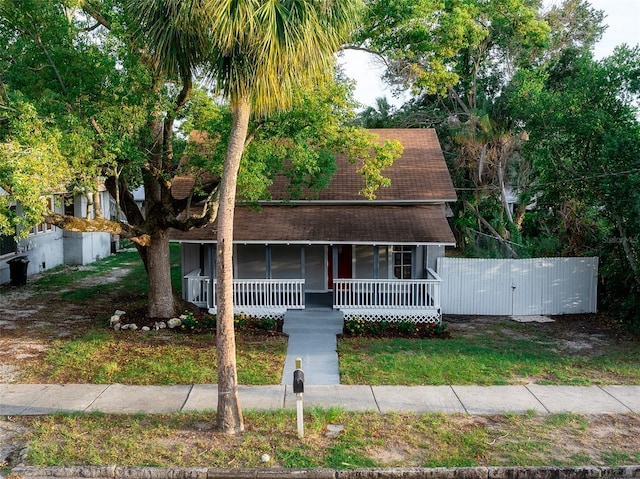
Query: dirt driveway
[[30, 318]]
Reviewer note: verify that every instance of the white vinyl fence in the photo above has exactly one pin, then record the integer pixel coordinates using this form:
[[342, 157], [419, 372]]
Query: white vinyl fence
[[518, 286]]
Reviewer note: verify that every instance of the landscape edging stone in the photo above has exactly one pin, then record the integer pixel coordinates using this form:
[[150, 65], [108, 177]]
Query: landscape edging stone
[[120, 472]]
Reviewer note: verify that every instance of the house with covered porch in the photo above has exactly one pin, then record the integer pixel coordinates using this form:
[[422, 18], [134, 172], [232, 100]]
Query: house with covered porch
[[370, 259]]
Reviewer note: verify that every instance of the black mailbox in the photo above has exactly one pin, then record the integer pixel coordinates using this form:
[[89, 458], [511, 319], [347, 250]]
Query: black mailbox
[[298, 381]]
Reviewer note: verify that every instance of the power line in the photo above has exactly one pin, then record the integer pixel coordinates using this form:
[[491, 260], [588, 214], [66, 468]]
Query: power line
[[558, 182], [497, 239]]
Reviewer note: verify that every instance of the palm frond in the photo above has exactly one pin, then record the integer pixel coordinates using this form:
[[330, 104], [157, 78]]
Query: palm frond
[[255, 49], [173, 32]]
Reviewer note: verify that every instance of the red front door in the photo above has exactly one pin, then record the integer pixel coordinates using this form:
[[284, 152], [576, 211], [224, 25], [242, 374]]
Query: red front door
[[344, 262]]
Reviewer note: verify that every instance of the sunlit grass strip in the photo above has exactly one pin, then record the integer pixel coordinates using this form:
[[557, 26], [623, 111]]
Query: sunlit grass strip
[[368, 440], [61, 278], [483, 360], [105, 357], [64, 276]]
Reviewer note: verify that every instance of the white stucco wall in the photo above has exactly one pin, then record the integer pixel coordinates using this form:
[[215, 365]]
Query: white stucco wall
[[49, 249], [43, 250], [85, 248]]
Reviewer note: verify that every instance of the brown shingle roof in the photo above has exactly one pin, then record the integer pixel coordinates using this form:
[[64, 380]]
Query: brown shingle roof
[[419, 175], [182, 186], [334, 224], [419, 178]]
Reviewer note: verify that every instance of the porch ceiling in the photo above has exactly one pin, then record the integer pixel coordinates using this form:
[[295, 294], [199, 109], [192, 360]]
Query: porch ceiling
[[334, 224]]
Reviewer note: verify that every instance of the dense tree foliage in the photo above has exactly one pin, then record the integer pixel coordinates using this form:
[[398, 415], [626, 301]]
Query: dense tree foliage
[[82, 69], [541, 139], [91, 94], [584, 148], [458, 57], [89, 98]]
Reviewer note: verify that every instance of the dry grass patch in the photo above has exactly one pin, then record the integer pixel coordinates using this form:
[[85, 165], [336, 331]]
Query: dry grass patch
[[368, 440], [105, 357]]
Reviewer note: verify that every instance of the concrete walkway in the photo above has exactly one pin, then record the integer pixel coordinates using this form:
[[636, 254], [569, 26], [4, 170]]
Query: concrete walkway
[[38, 399], [312, 337]]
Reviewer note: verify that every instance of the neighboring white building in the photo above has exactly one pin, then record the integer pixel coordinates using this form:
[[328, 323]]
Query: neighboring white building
[[48, 246]]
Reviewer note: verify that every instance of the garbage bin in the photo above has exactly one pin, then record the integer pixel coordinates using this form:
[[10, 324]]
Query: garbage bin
[[18, 270]]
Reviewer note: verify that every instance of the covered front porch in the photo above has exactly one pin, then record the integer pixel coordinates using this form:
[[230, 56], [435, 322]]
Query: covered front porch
[[375, 262], [415, 300]]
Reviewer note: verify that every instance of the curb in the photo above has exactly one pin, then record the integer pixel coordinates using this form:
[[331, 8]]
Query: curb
[[117, 472]]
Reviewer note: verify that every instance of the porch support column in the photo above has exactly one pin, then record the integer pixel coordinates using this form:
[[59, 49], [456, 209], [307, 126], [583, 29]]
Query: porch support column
[[202, 255], [376, 262], [334, 252], [425, 260], [414, 263]]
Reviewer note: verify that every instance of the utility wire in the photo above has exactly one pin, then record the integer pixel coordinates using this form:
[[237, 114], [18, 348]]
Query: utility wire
[[550, 183]]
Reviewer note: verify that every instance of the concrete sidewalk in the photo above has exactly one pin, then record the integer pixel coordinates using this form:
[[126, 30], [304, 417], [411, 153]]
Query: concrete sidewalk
[[39, 399]]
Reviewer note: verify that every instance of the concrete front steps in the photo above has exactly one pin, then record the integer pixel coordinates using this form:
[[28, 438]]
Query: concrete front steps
[[312, 337]]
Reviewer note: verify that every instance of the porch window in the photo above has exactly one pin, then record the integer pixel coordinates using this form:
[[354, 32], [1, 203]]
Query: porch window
[[402, 261], [286, 262], [251, 262], [69, 206]]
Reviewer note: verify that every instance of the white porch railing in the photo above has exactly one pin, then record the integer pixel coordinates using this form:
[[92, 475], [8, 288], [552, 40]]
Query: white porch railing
[[255, 297], [369, 299], [266, 293], [395, 300], [197, 289]]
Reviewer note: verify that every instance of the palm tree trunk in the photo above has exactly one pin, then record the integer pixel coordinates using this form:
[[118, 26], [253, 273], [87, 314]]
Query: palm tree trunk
[[229, 413]]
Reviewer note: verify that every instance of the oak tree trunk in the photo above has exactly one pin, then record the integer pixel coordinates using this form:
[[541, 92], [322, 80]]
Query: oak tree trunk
[[161, 302], [229, 413]]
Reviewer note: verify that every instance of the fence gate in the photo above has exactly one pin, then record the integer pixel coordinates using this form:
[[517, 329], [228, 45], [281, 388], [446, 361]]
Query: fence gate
[[518, 286]]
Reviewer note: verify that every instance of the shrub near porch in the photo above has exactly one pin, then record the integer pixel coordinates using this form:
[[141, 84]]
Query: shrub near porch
[[407, 329]]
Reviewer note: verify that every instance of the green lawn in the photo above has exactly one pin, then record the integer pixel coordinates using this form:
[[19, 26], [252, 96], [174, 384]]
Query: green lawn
[[97, 354], [493, 358], [105, 357], [504, 353]]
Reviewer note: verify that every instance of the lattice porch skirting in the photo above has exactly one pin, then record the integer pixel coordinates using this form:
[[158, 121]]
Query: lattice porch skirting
[[394, 315]]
